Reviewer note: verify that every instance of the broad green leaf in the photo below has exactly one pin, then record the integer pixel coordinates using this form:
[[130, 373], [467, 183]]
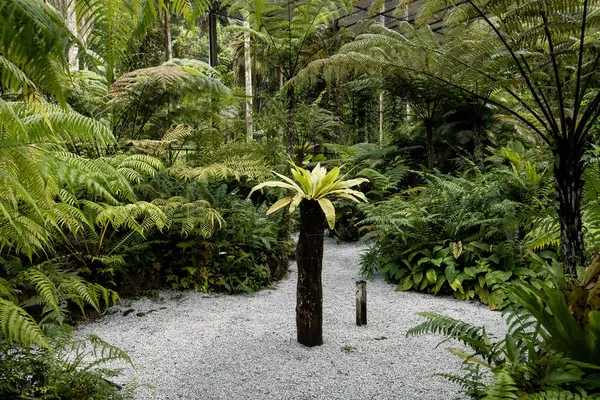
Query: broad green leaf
[[279, 204], [481, 280], [289, 181], [405, 284], [295, 202], [351, 183], [431, 275], [457, 286], [470, 272], [348, 196], [303, 178], [273, 184], [494, 258], [450, 273], [329, 211], [520, 271], [441, 279], [356, 193], [495, 277], [418, 276], [324, 185], [423, 260]]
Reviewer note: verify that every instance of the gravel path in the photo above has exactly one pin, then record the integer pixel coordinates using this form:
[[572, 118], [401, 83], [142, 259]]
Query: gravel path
[[199, 346]]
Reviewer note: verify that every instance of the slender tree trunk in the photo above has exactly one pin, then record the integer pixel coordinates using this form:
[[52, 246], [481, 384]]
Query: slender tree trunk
[[291, 120], [212, 38], [168, 41], [248, 81], [309, 257], [568, 172], [429, 144], [71, 19]]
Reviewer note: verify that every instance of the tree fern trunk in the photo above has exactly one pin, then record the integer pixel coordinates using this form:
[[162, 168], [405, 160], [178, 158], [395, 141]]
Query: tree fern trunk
[[568, 171], [309, 257]]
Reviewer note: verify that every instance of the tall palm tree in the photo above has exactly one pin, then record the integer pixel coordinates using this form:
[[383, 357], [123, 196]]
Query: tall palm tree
[[311, 192]]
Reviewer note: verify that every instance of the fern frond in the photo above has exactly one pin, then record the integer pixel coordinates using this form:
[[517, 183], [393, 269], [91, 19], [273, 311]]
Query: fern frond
[[473, 336], [18, 326]]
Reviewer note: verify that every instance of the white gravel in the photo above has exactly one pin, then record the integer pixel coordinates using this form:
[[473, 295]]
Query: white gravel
[[199, 346]]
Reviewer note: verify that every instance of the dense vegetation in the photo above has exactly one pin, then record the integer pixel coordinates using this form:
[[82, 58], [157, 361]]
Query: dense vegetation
[[130, 144]]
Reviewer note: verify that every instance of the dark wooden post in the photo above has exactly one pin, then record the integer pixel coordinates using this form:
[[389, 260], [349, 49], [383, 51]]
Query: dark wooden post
[[309, 257], [361, 303]]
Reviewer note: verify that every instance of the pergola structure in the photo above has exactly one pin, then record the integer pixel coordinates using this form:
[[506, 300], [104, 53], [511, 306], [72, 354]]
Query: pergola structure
[[389, 15]]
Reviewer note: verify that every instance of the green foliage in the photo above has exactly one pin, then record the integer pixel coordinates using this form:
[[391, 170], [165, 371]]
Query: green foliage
[[288, 29], [150, 101], [33, 41], [112, 27], [69, 369], [545, 354], [315, 185], [461, 234], [545, 232], [230, 161], [238, 253]]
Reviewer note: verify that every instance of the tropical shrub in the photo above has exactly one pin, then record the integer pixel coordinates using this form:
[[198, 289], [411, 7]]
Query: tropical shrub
[[546, 354], [210, 240], [460, 234]]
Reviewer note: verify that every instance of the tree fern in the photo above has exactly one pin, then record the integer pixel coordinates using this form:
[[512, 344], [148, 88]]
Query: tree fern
[[192, 216], [535, 59]]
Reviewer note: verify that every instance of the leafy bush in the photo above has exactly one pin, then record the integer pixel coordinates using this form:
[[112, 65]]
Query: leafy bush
[[212, 239], [463, 234], [382, 167], [240, 257]]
